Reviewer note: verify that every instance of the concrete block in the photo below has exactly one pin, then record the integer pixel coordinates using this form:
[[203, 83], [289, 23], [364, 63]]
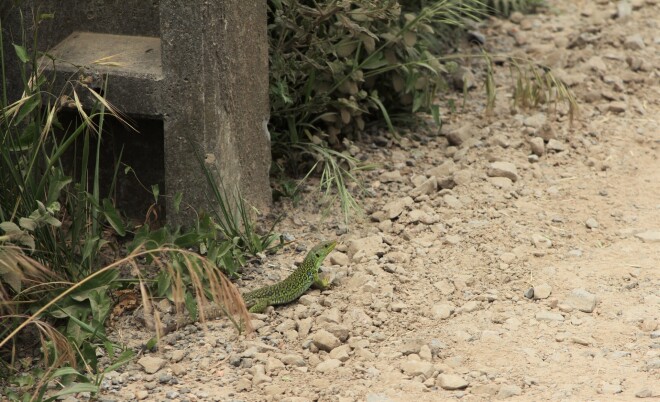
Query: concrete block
[[201, 67]]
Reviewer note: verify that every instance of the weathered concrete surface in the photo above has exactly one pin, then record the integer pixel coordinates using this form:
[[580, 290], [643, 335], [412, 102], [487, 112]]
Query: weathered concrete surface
[[215, 61], [209, 85]]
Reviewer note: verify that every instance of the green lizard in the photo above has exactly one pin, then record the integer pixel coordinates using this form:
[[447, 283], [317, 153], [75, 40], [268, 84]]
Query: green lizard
[[291, 288]]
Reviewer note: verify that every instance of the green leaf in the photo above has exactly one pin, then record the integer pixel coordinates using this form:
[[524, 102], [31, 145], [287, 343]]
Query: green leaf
[[10, 228], [125, 357], [112, 216], [30, 104], [156, 192], [435, 111], [187, 240], [191, 305], [177, 201], [163, 283], [21, 53], [74, 389]]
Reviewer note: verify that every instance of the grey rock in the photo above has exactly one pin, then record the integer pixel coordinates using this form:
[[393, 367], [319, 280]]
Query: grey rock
[[446, 169], [537, 145], [451, 382], [503, 169], [575, 253], [529, 293], [339, 258], [634, 42], [452, 202], [324, 340], [556, 145], [428, 187], [623, 9], [653, 364], [649, 236], [411, 346], [581, 300], [610, 389], [502, 182], [542, 291], [389, 177], [549, 316], [341, 353], [461, 134], [646, 393], [436, 345], [328, 365], [378, 398], [151, 364], [414, 368], [535, 121], [592, 223], [508, 390], [442, 311], [369, 246], [541, 241], [463, 177], [293, 360], [453, 239], [617, 107]]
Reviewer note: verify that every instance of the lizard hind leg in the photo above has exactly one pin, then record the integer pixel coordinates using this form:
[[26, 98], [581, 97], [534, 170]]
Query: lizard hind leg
[[259, 306]]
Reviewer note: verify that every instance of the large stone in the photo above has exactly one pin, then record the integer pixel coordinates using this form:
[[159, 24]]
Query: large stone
[[414, 368], [581, 300], [451, 382], [367, 245], [151, 364], [503, 169], [324, 340]]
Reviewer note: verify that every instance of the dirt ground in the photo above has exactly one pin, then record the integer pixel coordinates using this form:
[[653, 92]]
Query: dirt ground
[[507, 257]]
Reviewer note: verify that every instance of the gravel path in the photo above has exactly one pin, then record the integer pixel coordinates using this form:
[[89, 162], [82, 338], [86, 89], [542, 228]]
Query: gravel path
[[506, 257]]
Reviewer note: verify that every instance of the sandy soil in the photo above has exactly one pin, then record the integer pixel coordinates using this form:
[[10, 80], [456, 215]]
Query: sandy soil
[[478, 272]]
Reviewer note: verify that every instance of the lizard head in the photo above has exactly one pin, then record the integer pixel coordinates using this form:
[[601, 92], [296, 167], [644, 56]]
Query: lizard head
[[321, 250]]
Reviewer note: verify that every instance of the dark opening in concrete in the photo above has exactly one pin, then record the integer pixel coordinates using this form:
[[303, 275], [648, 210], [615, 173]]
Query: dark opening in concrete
[[138, 158]]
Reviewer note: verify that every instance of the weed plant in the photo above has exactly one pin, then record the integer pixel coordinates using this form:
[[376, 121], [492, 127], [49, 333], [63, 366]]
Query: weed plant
[[339, 67], [60, 241]]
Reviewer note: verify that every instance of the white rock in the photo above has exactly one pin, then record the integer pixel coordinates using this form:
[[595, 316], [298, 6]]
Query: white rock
[[442, 311], [369, 246], [339, 258], [541, 241], [508, 390], [293, 360], [649, 236], [151, 364], [549, 316], [328, 365], [414, 368], [326, 341], [388, 177], [451, 382], [341, 353], [429, 186], [581, 300], [446, 169], [503, 169], [537, 145], [542, 291]]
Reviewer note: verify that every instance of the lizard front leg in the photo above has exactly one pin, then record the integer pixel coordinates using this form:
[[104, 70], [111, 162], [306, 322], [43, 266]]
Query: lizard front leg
[[322, 281], [259, 306]]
